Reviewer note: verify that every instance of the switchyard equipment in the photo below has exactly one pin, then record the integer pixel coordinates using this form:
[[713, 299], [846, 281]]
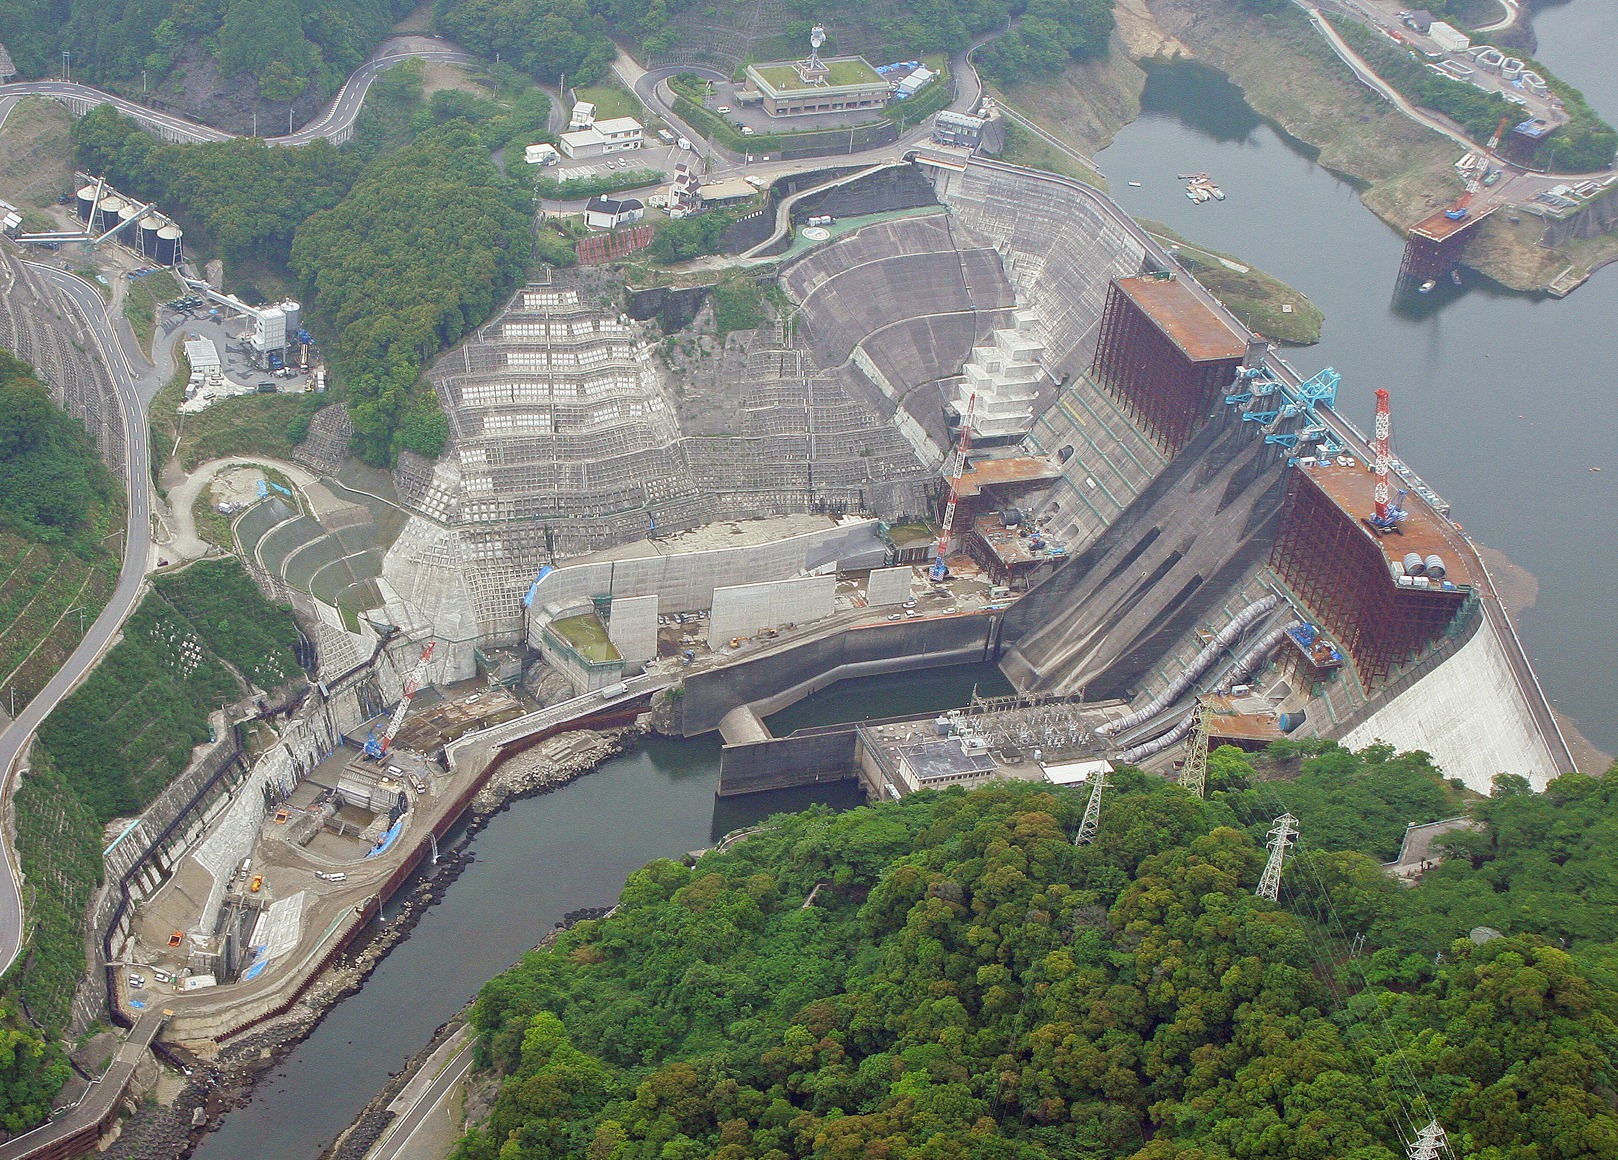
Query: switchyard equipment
[[939, 569], [378, 749]]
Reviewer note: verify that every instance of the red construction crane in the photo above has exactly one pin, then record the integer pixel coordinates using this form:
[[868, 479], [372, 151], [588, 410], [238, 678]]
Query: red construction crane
[[1499, 131], [412, 685], [1388, 515], [964, 444]]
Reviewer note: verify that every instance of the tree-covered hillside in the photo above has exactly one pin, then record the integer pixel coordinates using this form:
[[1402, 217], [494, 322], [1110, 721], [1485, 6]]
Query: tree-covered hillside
[[287, 45], [967, 982]]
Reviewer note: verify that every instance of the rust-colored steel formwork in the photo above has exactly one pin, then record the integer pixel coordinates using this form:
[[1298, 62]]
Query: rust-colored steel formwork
[[1341, 571], [1165, 356], [1436, 244]]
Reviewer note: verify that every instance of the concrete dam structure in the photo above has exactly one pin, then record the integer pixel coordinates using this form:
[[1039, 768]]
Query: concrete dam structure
[[1155, 474]]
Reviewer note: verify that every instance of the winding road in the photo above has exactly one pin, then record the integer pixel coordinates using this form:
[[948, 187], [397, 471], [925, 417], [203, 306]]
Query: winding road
[[336, 120], [132, 402]]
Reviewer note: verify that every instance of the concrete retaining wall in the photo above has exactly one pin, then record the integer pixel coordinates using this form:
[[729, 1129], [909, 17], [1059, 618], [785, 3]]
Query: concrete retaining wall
[[777, 679], [787, 761], [743, 609]]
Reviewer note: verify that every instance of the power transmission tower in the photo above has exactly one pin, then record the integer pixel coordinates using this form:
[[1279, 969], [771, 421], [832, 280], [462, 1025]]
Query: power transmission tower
[[1286, 828], [1092, 812], [1194, 773], [1430, 1144]]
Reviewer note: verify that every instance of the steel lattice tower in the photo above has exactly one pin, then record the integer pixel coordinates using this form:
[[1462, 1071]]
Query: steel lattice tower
[[1431, 1144], [1092, 812], [1281, 837], [1194, 773]]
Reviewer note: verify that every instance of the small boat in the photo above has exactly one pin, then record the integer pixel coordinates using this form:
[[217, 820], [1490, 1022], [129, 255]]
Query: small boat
[[1455, 277], [1218, 194], [1426, 287], [1197, 194], [1135, 184]]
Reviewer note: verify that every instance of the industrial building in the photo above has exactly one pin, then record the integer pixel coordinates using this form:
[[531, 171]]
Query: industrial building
[[834, 84]]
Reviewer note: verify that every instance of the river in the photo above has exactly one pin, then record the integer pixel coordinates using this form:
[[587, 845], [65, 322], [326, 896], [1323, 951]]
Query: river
[[541, 858], [1503, 402]]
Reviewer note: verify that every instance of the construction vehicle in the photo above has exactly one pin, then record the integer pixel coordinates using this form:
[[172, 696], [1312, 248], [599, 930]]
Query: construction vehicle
[[1459, 210], [940, 570], [376, 748]]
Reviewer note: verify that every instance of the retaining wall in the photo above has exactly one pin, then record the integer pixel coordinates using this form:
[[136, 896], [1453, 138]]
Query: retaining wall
[[782, 762]]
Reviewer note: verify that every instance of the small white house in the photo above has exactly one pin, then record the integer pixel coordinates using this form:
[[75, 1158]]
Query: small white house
[[584, 115], [608, 213], [541, 154]]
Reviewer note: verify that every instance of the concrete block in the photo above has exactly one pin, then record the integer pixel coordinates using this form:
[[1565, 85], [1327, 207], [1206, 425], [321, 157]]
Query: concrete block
[[888, 586], [743, 609], [632, 627]]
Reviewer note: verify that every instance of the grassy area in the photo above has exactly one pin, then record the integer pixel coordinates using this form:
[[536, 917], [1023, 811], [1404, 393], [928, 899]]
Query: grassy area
[[583, 187], [241, 425], [141, 301], [1024, 148], [738, 304], [212, 526], [838, 72], [48, 595], [36, 154], [1267, 304], [610, 100]]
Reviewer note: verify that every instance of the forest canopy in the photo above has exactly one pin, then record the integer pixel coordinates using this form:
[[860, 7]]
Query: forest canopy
[[967, 982], [52, 483]]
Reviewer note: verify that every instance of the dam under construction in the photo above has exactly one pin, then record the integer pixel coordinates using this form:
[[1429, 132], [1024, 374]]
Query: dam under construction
[[1155, 506]]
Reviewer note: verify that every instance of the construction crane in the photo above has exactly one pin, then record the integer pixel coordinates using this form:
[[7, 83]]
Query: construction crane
[[939, 570], [375, 748], [1388, 516], [1459, 210], [1499, 131]]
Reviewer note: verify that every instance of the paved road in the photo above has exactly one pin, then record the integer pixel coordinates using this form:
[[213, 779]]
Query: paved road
[[336, 120], [131, 579], [396, 1145]]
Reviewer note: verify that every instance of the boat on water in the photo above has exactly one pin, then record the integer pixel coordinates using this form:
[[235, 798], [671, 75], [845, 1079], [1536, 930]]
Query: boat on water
[[1426, 287], [1135, 184], [1200, 188], [1197, 194]]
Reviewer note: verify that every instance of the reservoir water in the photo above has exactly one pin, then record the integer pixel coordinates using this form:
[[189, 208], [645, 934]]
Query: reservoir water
[[1504, 402]]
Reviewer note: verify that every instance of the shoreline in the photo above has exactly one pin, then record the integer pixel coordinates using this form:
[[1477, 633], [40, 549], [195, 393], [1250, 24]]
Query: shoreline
[[226, 1081]]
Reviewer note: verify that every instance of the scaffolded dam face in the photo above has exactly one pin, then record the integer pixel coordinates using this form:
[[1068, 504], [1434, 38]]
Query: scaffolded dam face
[[1188, 472]]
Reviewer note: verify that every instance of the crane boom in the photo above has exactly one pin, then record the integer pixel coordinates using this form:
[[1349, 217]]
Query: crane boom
[[412, 686], [962, 446]]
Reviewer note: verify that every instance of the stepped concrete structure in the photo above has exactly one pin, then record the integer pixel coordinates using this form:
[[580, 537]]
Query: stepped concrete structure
[[1202, 496]]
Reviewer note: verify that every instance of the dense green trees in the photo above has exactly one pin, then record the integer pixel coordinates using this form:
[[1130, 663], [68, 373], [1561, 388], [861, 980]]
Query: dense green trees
[[1050, 34], [247, 197], [421, 250], [51, 481], [286, 44], [969, 983], [545, 38]]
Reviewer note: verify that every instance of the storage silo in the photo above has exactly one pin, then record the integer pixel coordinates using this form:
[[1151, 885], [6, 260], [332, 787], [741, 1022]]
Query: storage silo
[[1414, 564], [170, 241], [107, 213], [85, 202], [149, 225], [294, 313], [130, 234], [1435, 566]]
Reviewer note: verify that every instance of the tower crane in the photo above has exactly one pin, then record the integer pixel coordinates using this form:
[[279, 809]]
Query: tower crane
[[377, 749], [1388, 516], [939, 570]]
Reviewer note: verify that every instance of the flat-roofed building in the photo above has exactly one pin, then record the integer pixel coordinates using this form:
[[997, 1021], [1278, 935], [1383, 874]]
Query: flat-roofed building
[[840, 84], [614, 135]]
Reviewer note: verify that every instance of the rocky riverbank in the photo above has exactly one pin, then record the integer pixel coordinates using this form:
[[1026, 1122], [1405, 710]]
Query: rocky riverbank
[[185, 1106]]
